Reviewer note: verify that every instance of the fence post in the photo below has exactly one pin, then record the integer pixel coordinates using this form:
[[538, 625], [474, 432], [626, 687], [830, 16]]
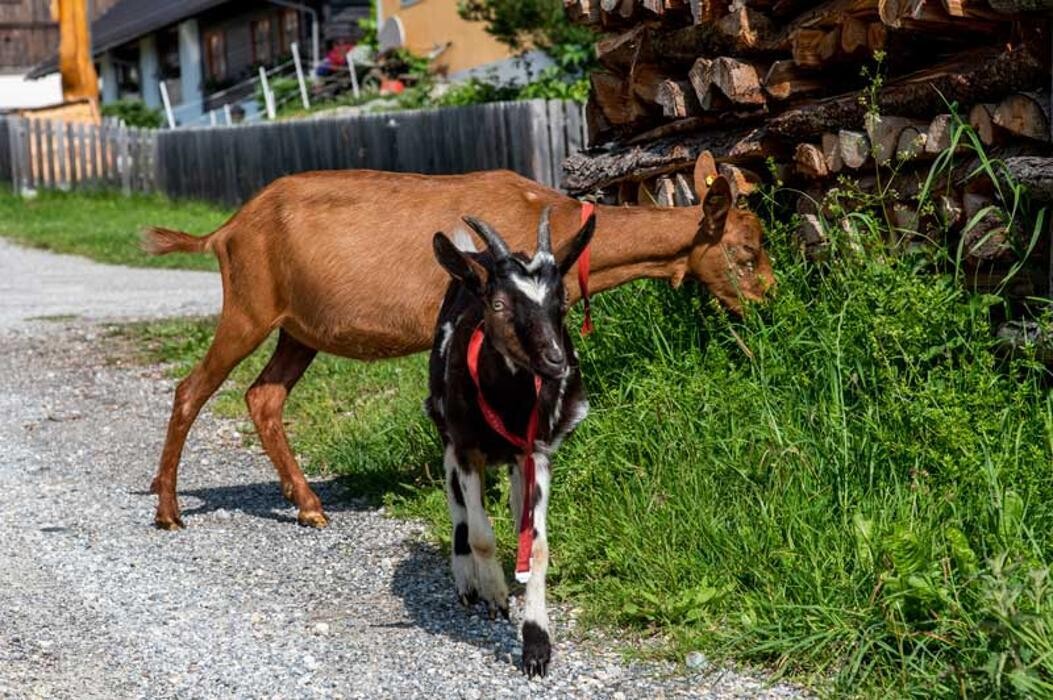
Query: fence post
[[268, 98], [38, 156], [354, 75], [123, 159], [60, 154], [168, 104], [226, 113], [17, 167], [299, 75]]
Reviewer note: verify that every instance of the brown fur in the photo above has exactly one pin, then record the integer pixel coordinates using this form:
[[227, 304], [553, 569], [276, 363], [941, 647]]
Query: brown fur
[[342, 262]]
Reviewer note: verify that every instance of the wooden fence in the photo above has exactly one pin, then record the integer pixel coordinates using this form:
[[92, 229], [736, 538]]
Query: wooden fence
[[42, 154], [229, 164]]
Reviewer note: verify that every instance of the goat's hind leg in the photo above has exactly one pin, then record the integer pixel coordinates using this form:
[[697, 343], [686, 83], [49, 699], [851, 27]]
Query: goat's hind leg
[[236, 336], [266, 401]]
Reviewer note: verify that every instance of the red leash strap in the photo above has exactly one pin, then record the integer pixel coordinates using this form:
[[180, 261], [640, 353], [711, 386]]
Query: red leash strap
[[583, 272], [526, 521]]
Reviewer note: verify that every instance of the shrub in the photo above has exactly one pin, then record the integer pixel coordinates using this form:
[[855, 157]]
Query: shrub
[[134, 113]]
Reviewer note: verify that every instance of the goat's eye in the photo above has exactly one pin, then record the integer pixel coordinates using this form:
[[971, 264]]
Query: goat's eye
[[497, 305]]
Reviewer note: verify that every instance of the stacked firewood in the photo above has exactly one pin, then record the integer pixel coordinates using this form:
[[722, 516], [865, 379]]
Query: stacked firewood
[[815, 95]]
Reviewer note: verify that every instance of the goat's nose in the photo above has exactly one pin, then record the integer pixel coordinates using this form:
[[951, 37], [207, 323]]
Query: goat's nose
[[553, 356]]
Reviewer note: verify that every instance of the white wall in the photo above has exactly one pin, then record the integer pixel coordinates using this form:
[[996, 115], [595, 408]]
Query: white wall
[[17, 92], [518, 68]]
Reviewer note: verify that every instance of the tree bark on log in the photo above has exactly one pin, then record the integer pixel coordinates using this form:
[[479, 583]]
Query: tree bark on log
[[585, 172], [974, 77], [1018, 6], [1035, 173]]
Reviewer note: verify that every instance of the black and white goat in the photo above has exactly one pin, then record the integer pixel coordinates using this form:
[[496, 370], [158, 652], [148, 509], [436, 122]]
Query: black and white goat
[[511, 309]]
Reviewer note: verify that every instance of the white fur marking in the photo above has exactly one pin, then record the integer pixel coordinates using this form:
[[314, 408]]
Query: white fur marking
[[447, 336], [539, 260], [535, 609], [558, 407], [532, 288], [577, 414]]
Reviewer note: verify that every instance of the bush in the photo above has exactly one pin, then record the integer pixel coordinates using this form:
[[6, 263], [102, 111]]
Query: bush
[[134, 113], [286, 92]]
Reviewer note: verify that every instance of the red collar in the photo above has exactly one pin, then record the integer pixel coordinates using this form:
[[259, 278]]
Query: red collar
[[525, 445], [583, 272]]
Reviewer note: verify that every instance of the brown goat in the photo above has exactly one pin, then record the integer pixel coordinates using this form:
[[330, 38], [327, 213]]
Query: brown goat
[[342, 262]]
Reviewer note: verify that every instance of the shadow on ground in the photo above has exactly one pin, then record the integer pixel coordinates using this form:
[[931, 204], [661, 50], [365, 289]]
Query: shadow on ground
[[264, 499], [423, 581]]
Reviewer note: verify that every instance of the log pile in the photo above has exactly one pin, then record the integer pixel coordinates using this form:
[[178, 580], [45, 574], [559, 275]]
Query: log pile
[[816, 94]]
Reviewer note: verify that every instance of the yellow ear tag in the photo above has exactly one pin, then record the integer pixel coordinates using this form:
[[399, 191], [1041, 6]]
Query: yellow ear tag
[[710, 179]]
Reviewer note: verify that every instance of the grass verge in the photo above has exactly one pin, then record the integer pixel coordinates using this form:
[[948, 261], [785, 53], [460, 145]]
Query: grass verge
[[105, 226], [863, 500]]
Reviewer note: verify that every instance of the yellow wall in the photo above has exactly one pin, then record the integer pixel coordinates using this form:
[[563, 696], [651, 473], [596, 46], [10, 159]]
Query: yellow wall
[[431, 23]]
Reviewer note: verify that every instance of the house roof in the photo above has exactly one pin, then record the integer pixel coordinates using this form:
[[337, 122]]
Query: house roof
[[127, 21]]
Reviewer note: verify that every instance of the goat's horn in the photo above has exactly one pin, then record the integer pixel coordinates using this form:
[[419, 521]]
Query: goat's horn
[[493, 239], [544, 232]]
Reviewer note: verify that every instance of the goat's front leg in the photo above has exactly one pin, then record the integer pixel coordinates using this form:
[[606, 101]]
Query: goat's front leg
[[461, 561], [490, 578], [537, 643]]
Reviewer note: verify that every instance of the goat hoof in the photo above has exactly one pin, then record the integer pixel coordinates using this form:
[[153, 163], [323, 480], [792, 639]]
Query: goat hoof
[[314, 518], [168, 523], [537, 650], [494, 610], [468, 599]]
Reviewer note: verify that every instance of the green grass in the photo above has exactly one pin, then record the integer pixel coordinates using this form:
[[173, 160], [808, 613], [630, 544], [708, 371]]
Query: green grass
[[864, 501], [105, 226]]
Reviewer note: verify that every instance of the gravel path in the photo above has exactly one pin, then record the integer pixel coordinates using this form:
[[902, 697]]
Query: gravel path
[[37, 284], [95, 603]]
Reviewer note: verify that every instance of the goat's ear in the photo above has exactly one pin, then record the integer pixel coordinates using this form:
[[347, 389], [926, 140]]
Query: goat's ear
[[461, 266], [705, 174], [577, 245], [715, 206]]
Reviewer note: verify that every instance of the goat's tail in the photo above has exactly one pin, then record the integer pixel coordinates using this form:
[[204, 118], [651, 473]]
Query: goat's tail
[[161, 241]]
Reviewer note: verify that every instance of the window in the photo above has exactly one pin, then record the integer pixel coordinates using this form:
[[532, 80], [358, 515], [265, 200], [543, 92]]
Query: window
[[261, 41], [215, 55], [290, 29]]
